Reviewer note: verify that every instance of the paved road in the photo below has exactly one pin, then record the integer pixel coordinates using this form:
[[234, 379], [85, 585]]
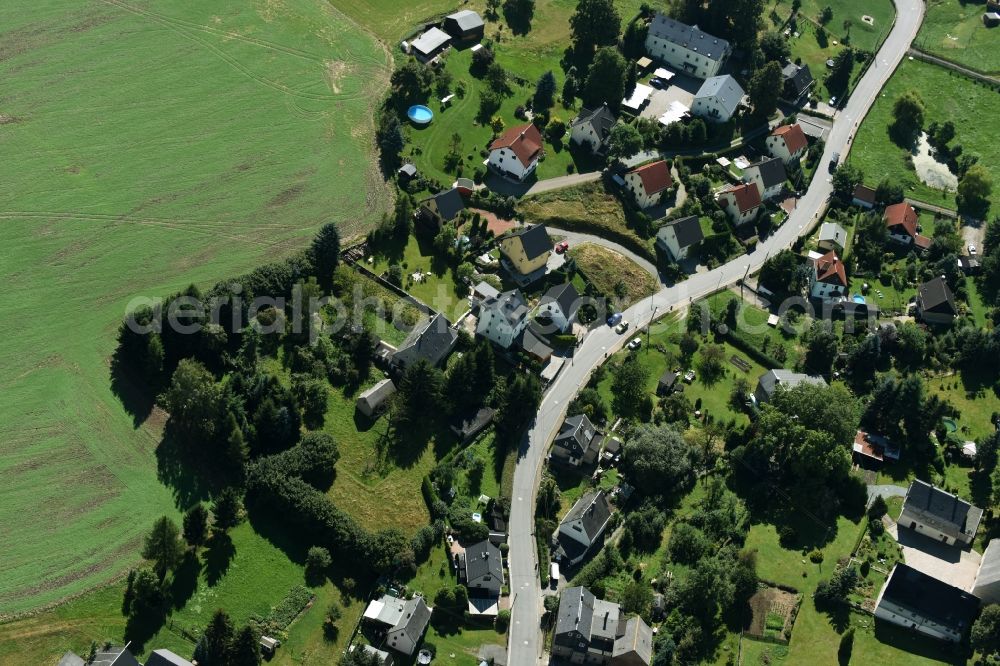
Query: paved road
[[525, 637], [511, 189]]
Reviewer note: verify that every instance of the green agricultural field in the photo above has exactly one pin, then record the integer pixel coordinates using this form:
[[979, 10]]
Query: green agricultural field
[[946, 96], [147, 146], [954, 30]]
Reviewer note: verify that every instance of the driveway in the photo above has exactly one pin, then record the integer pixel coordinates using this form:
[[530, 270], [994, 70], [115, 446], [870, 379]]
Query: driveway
[[511, 189], [886, 491], [575, 239], [955, 566]]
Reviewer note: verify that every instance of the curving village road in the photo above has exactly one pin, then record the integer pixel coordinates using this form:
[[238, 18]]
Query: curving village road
[[525, 639]]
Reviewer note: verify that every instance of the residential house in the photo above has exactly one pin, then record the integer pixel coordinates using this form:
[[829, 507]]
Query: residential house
[[592, 127], [935, 302], [406, 173], [796, 82], [374, 400], [768, 175], [667, 383], [527, 250], [634, 645], [926, 605], [717, 99], [441, 208], [559, 306], [515, 153], [832, 237], [787, 142], [108, 656], [382, 658], [870, 447], [403, 621], [467, 426], [686, 48], [481, 571], [772, 380], [741, 202], [164, 657], [864, 197], [968, 265], [648, 182], [589, 630], [464, 26], [433, 343], [828, 280], [676, 238], [901, 220], [937, 514], [532, 341], [483, 291], [502, 319], [987, 585], [583, 527], [430, 44], [578, 443]]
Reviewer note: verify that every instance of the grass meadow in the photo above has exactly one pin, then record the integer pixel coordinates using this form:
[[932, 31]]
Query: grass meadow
[[954, 30], [946, 96], [147, 146], [605, 269]]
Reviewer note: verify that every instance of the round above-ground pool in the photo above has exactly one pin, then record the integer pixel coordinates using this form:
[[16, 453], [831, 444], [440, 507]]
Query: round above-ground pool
[[950, 425], [420, 114], [858, 298]]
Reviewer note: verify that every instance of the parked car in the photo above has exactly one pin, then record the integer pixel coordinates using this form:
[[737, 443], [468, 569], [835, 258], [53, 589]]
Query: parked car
[[614, 319], [833, 101], [622, 327], [635, 343], [972, 250], [834, 162], [561, 247], [657, 82]]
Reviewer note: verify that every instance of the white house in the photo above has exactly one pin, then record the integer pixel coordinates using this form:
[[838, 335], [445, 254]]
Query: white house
[[515, 153], [828, 280], [926, 605], [787, 143], [768, 175], [677, 237], [717, 99], [686, 48], [559, 305], [648, 182], [741, 202], [503, 318], [939, 515], [403, 620], [592, 128], [902, 221], [832, 236]]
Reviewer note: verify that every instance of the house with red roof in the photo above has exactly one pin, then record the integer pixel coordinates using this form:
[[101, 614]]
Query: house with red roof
[[741, 202], [515, 153], [901, 221], [828, 281], [787, 143], [648, 182]]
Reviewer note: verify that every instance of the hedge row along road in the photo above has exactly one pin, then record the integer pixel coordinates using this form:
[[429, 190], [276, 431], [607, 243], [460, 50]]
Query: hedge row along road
[[525, 640]]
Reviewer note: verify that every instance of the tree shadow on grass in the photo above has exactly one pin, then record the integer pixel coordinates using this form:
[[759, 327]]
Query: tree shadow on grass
[[218, 556], [176, 469], [185, 580], [914, 643], [139, 629], [839, 615], [136, 397]]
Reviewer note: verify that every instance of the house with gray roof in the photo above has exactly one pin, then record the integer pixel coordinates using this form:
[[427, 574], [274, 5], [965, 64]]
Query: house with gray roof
[[481, 570], [439, 209], [768, 175], [582, 529], [107, 656], [832, 236], [464, 26], [592, 127], [686, 48], [987, 585], [935, 302], [676, 238], [430, 44], [717, 99], [772, 380], [797, 81], [375, 399], [164, 657], [503, 318], [589, 630], [577, 444], [525, 253], [401, 623], [432, 343], [939, 515], [925, 605], [559, 306], [382, 658]]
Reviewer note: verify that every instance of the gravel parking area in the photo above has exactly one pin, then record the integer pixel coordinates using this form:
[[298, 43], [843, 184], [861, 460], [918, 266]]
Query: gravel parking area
[[954, 566]]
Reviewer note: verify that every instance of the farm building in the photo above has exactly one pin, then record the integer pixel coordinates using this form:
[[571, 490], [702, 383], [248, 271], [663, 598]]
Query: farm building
[[926, 605], [464, 26], [686, 48], [428, 45], [375, 399], [939, 515]]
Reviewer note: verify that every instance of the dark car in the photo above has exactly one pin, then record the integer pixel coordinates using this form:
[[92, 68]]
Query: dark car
[[834, 162], [657, 82]]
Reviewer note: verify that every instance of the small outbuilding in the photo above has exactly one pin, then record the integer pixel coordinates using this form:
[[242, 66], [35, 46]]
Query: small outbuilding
[[464, 26], [374, 400]]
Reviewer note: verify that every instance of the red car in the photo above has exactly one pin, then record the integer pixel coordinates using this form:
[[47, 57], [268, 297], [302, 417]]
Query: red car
[[561, 247]]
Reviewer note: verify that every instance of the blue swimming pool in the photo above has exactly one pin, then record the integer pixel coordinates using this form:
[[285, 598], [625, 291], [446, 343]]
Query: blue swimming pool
[[420, 114], [858, 298]]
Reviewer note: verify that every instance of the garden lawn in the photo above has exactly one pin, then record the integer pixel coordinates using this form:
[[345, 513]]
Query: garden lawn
[[946, 96], [612, 274], [752, 327], [147, 146], [437, 287], [975, 408], [954, 30]]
